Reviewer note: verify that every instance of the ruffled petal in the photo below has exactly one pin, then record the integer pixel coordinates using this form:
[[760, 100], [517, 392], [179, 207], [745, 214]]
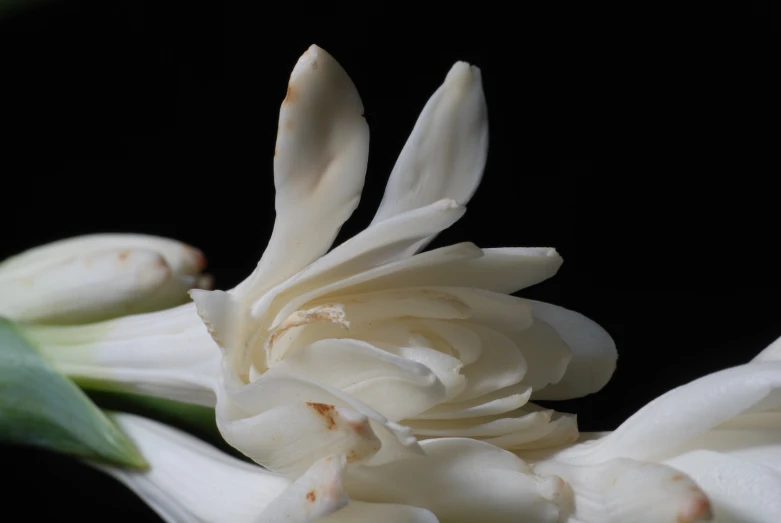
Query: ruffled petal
[[314, 495], [461, 480]]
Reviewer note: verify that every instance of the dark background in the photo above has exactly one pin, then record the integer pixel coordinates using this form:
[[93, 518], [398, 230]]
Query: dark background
[[641, 144]]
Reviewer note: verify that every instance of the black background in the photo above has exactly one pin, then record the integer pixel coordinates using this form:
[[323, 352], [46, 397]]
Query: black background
[[641, 144]]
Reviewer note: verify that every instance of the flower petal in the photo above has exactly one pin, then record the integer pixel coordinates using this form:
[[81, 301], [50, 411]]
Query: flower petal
[[594, 353], [497, 402], [445, 155], [460, 480], [622, 490], [85, 288], [319, 167], [360, 512], [739, 490], [240, 416], [771, 353], [189, 480], [681, 414], [181, 258], [167, 354], [395, 386], [314, 495]]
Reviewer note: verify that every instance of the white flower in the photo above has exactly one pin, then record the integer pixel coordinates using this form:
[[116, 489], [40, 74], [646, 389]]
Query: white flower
[[99, 276], [356, 350], [364, 349], [459, 480], [709, 448]]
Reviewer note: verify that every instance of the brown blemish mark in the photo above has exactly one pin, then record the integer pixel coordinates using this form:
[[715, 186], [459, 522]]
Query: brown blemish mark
[[290, 96], [311, 496], [352, 456], [123, 255], [326, 411], [677, 477], [699, 509], [359, 428]]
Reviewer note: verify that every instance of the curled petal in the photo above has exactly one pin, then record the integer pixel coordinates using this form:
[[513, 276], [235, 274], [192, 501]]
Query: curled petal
[[739, 490], [622, 490], [290, 438], [314, 495], [392, 384], [594, 353], [461, 480], [243, 419]]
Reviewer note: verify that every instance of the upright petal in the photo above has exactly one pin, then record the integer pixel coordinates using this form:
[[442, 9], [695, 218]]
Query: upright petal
[[445, 155], [319, 166]]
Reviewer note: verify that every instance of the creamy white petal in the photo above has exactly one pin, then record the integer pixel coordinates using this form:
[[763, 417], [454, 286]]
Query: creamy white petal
[[396, 386], [84, 288], [686, 412], [483, 427], [445, 155], [181, 258], [505, 270], [497, 402], [167, 354], [314, 495], [771, 353], [561, 430], [622, 490], [460, 480], [594, 353], [238, 408], [374, 246], [319, 167], [546, 354], [739, 490], [189, 480], [290, 438], [360, 512], [500, 365]]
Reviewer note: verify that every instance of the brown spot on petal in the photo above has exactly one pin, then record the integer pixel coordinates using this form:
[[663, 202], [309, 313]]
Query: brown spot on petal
[[677, 477], [123, 255], [311, 496], [360, 428], [326, 411], [352, 456], [290, 96], [698, 509]]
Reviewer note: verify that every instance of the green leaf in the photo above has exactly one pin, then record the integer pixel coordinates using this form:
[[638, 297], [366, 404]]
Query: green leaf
[[40, 407]]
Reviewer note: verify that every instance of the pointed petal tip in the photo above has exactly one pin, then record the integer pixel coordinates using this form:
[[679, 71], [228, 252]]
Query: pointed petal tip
[[463, 72]]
